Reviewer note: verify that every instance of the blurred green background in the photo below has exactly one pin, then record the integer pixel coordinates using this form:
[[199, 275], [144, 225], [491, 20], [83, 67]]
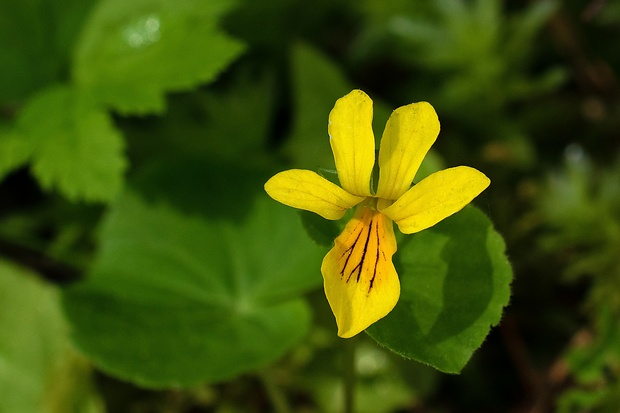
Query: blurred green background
[[135, 137]]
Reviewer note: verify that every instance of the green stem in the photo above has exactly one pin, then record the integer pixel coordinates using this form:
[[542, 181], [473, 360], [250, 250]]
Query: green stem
[[349, 374], [276, 395]]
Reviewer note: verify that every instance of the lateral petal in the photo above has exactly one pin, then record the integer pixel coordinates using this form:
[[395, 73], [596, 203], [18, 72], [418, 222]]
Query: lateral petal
[[303, 189], [360, 280], [353, 142], [409, 133], [436, 197]]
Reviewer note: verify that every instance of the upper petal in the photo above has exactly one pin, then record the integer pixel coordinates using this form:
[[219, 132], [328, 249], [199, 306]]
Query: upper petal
[[352, 141], [408, 135], [361, 283], [308, 190], [436, 197]]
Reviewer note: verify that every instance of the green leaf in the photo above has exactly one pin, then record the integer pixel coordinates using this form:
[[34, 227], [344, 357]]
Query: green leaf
[[234, 118], [36, 37], [177, 300], [594, 399], [240, 116], [39, 371], [132, 52], [75, 146], [204, 187], [318, 84], [455, 282]]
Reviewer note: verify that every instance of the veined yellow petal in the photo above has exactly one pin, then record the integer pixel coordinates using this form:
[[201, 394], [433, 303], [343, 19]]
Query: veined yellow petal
[[436, 197], [352, 141], [409, 134], [361, 283], [308, 190]]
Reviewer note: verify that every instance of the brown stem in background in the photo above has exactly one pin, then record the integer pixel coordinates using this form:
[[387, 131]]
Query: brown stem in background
[[535, 384], [592, 9], [592, 74], [541, 387]]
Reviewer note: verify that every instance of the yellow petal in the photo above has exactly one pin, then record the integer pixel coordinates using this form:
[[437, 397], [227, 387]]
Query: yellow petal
[[436, 197], [308, 190], [361, 283], [409, 134], [352, 141]]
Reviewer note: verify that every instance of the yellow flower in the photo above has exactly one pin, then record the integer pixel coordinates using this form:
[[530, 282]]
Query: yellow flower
[[360, 280]]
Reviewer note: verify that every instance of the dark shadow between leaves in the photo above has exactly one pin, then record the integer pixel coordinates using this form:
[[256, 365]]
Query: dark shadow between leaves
[[206, 187]]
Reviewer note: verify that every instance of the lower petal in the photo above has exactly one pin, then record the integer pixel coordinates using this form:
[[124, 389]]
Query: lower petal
[[361, 283]]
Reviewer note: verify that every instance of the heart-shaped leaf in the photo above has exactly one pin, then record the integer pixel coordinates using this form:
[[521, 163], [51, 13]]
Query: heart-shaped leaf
[[175, 299], [455, 282]]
